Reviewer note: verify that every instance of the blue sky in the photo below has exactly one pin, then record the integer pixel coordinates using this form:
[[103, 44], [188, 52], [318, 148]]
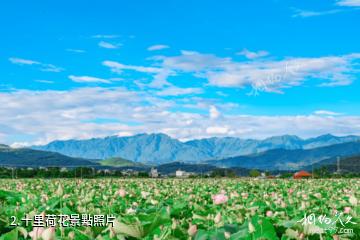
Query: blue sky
[[190, 69]]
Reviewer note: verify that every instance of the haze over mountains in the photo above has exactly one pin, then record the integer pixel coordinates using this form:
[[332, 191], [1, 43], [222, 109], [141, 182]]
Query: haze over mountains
[[160, 148]]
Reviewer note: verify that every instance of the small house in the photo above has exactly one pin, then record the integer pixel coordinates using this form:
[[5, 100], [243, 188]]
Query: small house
[[154, 173], [181, 174], [301, 175]]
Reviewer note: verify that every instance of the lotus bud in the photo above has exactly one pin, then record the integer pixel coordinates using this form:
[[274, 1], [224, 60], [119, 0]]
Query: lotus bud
[[60, 190], [121, 192], [71, 235], [251, 227], [217, 218], [269, 213], [174, 224], [192, 230], [347, 210], [353, 201]]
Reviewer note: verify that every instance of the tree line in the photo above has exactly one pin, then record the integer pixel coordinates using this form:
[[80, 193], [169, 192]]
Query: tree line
[[87, 172]]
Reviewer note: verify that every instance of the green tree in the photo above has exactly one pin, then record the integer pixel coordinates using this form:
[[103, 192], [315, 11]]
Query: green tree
[[254, 173]]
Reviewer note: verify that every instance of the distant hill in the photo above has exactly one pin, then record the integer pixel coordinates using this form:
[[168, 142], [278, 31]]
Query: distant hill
[[160, 148], [3, 146], [35, 158], [275, 159], [119, 162], [347, 164], [281, 159]]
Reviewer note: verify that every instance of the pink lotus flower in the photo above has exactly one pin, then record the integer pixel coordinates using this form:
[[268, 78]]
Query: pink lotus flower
[[41, 233], [269, 213], [192, 230], [35, 234], [347, 210], [48, 234], [121, 192], [220, 199]]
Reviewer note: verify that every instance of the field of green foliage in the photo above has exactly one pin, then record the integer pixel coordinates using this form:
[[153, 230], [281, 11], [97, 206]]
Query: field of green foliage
[[179, 209]]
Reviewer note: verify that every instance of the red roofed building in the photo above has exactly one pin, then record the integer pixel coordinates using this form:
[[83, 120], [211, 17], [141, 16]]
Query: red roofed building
[[301, 175]]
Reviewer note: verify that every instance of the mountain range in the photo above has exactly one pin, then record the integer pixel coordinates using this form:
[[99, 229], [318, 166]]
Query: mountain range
[[283, 159], [145, 150], [160, 148], [34, 158]]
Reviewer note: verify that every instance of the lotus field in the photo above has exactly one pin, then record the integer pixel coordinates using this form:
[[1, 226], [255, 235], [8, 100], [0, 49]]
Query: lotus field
[[179, 209]]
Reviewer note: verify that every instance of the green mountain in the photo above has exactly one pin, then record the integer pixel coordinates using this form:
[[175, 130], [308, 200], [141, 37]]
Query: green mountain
[[282, 159], [160, 148], [144, 148], [25, 157], [119, 162]]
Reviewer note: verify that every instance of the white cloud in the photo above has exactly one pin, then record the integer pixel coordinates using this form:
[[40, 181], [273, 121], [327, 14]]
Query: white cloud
[[109, 45], [75, 50], [176, 91], [44, 81], [21, 61], [50, 68], [43, 116], [306, 13], [160, 75], [118, 67], [265, 75], [252, 55], [348, 3], [88, 79], [217, 130], [109, 36], [214, 112], [20, 144], [125, 134], [157, 47], [326, 112], [45, 67], [190, 61], [262, 75], [274, 75]]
